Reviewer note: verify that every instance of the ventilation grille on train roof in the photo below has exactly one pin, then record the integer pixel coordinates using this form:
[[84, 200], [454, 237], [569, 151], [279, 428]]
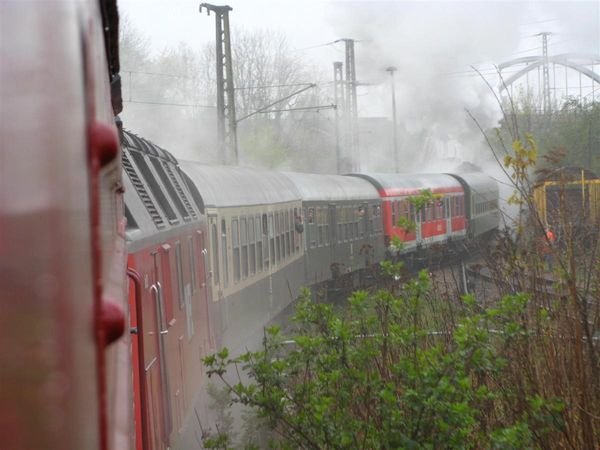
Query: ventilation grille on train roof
[[141, 190], [177, 186]]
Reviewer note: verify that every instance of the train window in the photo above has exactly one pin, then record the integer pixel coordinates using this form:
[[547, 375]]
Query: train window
[[319, 222], [235, 245], [224, 257], [244, 245], [312, 235], [284, 235], [265, 241], [321, 231], [154, 186], [277, 239], [180, 283], [170, 189], [293, 232], [326, 223], [192, 259], [271, 238], [288, 238], [297, 236], [281, 235], [165, 276], [259, 245], [252, 255], [215, 252]]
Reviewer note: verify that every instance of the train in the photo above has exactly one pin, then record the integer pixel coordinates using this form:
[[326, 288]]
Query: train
[[65, 375], [122, 267], [217, 252]]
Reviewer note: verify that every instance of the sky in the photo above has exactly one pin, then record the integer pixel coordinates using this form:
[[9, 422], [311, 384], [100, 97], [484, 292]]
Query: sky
[[446, 37], [434, 45]]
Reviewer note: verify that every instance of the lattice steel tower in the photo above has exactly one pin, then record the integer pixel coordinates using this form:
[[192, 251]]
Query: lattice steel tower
[[351, 104], [546, 74], [226, 122], [340, 109]]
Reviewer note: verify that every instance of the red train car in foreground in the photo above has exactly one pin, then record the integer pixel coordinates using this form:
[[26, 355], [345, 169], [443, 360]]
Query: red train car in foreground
[[62, 255], [169, 296]]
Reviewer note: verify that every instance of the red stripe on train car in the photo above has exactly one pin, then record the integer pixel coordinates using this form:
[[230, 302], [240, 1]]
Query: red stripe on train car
[[400, 192]]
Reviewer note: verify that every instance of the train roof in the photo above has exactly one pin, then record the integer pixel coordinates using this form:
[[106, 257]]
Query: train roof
[[478, 182], [227, 186], [157, 196], [331, 188], [392, 184]]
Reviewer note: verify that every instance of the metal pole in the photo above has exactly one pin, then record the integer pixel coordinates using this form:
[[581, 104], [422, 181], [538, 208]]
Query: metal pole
[[391, 70], [351, 103], [229, 89], [338, 94], [226, 123]]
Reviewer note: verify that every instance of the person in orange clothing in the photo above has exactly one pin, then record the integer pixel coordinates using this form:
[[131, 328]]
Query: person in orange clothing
[[547, 244]]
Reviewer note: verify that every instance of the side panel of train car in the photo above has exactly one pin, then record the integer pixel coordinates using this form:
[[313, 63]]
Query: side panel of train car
[[169, 296], [62, 257], [342, 225], [442, 220], [481, 201], [255, 249]]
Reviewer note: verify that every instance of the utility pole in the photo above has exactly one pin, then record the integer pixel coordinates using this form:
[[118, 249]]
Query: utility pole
[[226, 123], [351, 103], [338, 95], [546, 74], [391, 70]]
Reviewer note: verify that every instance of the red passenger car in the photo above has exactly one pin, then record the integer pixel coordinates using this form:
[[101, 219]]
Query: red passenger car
[[169, 297], [437, 222]]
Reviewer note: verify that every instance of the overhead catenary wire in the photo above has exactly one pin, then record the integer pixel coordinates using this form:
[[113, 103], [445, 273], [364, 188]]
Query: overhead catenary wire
[[301, 108], [189, 105]]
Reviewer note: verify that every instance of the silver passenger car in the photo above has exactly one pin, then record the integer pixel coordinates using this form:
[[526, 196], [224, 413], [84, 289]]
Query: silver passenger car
[[342, 224], [256, 253]]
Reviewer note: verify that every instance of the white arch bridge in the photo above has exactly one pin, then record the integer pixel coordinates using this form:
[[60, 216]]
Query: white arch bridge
[[579, 72]]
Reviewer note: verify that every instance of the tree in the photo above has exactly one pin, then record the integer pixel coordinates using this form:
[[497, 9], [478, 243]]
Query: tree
[[170, 97]]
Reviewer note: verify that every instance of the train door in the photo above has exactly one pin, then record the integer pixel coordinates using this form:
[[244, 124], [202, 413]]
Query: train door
[[365, 237], [214, 238], [332, 232], [159, 325], [204, 292], [418, 216]]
